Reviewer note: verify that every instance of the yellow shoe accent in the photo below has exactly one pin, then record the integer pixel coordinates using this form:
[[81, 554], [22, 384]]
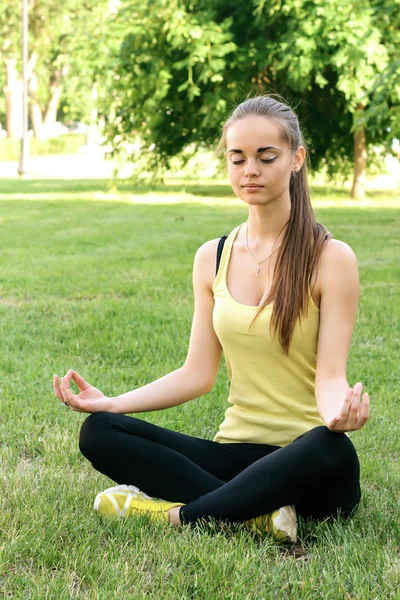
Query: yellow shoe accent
[[128, 500], [281, 524]]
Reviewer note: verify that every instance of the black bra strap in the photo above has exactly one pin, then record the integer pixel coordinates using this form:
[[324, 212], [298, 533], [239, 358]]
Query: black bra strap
[[219, 251]]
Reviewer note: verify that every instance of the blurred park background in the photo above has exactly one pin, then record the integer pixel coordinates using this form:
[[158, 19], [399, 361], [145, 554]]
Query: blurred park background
[[126, 99], [150, 83]]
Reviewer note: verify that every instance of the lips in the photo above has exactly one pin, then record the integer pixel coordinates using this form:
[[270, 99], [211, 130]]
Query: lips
[[253, 187]]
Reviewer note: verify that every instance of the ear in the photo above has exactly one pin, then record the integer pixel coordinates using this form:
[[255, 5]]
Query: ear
[[298, 159]]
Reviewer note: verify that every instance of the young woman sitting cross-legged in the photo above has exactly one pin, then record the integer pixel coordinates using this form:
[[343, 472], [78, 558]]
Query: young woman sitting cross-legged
[[282, 308]]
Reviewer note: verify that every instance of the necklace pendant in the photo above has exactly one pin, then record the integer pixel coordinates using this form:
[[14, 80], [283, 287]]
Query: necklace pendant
[[258, 270]]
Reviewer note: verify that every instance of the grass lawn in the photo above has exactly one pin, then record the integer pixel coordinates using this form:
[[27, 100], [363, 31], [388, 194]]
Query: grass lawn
[[100, 280], [64, 144]]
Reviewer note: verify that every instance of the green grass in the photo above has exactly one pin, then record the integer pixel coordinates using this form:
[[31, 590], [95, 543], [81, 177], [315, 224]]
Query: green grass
[[99, 279], [63, 144]]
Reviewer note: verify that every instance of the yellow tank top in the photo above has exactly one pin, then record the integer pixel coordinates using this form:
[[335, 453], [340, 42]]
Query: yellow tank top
[[271, 395]]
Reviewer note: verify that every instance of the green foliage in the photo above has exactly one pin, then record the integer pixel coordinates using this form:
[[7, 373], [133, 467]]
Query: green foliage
[[184, 64], [348, 39], [165, 74], [94, 45], [10, 27], [72, 37], [169, 88], [384, 111]]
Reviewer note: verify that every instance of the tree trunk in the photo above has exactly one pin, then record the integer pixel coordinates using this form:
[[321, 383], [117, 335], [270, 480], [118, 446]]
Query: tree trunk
[[13, 95], [360, 164], [43, 128], [91, 134], [50, 118], [35, 110]]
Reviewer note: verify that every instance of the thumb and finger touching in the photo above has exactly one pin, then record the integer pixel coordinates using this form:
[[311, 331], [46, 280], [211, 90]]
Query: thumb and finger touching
[[354, 412], [58, 389], [81, 402], [76, 378], [62, 388]]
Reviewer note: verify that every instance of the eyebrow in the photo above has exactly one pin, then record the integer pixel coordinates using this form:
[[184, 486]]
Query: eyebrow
[[236, 151]]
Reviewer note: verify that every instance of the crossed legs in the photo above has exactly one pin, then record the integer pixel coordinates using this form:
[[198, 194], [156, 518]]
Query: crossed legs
[[318, 472]]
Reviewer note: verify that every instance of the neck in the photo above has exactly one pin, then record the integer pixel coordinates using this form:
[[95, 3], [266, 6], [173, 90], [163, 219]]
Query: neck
[[264, 227]]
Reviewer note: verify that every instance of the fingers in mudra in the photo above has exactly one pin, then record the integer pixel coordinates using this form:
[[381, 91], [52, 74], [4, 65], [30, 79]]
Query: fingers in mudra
[[355, 405], [62, 388], [359, 408], [89, 399], [354, 412], [363, 414], [57, 388], [76, 378]]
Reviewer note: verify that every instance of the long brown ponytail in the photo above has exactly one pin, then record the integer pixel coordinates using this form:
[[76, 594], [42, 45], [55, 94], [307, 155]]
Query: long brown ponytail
[[303, 239]]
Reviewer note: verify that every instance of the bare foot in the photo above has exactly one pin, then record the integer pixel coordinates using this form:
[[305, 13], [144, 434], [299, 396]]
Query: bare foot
[[174, 516]]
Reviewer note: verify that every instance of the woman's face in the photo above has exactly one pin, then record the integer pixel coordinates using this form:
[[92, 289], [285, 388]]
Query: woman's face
[[259, 161]]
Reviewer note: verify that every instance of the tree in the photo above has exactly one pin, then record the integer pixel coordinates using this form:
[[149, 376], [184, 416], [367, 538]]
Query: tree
[[348, 39], [62, 39], [169, 84], [183, 63], [9, 23]]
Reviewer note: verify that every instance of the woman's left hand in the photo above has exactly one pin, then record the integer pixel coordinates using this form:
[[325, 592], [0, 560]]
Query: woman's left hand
[[354, 412]]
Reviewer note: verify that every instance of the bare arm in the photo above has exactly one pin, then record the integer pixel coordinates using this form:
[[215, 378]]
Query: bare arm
[[195, 378], [342, 408]]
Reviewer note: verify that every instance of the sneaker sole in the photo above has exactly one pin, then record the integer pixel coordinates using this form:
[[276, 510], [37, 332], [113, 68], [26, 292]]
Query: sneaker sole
[[284, 525]]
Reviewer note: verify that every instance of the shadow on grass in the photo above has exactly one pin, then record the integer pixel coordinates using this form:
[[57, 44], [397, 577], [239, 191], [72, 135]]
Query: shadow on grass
[[52, 186], [79, 186], [177, 185], [72, 190]]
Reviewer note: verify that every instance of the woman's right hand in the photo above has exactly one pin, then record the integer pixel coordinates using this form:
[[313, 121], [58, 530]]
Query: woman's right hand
[[89, 400]]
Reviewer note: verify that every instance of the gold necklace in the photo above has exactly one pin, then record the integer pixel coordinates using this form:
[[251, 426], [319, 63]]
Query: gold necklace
[[264, 259]]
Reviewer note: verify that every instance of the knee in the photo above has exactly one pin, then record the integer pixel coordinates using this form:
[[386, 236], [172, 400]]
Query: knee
[[92, 432], [334, 449]]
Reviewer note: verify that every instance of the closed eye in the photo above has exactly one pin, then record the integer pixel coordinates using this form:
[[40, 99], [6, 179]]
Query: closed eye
[[263, 160]]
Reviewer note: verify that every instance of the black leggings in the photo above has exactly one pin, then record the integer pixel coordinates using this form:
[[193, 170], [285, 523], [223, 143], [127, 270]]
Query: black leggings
[[318, 472]]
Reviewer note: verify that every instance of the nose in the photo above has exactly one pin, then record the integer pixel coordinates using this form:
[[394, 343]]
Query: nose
[[251, 169]]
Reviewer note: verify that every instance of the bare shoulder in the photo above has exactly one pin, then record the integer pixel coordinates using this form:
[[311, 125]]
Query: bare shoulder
[[337, 255], [338, 271], [205, 262], [207, 250], [337, 266]]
